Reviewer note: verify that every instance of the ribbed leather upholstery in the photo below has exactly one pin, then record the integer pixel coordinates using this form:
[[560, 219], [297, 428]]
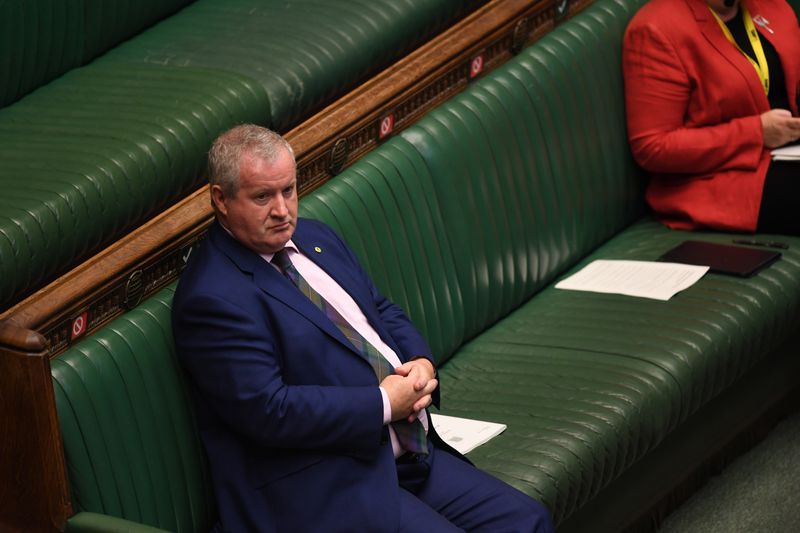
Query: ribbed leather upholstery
[[39, 40], [130, 440], [304, 52], [98, 151]]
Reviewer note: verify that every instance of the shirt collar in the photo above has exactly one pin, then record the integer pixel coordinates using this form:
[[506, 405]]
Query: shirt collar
[[289, 246]]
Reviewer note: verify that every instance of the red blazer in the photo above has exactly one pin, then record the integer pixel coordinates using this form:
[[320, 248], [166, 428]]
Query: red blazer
[[693, 105]]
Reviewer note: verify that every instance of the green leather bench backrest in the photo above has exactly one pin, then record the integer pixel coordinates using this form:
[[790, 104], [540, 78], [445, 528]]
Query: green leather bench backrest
[[532, 164], [109, 23], [490, 196], [42, 39], [39, 40], [130, 440]]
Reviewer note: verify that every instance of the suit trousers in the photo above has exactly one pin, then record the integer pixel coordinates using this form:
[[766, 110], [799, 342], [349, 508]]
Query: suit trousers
[[441, 493]]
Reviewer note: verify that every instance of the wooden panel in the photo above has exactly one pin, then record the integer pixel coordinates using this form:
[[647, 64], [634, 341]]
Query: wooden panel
[[34, 495]]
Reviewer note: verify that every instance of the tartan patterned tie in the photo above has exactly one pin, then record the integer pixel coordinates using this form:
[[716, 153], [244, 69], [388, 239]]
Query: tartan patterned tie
[[411, 435]]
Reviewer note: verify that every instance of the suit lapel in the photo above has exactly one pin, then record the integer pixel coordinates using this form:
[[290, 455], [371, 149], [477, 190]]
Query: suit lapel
[[272, 282], [307, 243], [713, 34]]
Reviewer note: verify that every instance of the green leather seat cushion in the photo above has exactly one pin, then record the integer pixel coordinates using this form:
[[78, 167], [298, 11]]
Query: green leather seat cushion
[[303, 52], [98, 151], [588, 383]]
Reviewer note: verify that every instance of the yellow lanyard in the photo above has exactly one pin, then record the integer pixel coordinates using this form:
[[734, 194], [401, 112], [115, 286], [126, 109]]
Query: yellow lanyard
[[761, 66]]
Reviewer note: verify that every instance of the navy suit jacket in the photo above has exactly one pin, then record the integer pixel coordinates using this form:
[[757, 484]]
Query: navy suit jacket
[[290, 413]]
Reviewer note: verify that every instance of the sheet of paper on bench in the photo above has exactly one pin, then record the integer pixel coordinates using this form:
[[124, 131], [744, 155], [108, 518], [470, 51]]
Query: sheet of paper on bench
[[465, 434], [787, 153], [646, 279]]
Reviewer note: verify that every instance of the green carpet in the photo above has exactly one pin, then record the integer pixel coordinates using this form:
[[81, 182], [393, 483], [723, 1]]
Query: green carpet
[[758, 493]]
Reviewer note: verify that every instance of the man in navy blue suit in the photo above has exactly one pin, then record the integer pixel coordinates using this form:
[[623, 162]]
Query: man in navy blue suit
[[311, 387]]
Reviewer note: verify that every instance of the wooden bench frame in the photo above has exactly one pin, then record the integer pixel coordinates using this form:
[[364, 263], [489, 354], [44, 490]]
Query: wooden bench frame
[[34, 488]]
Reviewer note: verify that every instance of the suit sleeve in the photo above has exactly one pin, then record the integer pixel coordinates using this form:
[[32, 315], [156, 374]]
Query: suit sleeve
[[658, 92], [232, 359]]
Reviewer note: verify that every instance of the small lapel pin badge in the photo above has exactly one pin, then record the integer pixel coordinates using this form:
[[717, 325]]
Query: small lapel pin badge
[[764, 23], [318, 249]]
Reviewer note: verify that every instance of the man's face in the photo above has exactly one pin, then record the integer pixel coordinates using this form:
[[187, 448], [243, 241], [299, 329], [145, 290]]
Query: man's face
[[263, 213]]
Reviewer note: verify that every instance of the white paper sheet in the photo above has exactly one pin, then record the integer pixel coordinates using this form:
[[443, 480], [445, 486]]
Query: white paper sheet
[[465, 434], [787, 153], [645, 279]]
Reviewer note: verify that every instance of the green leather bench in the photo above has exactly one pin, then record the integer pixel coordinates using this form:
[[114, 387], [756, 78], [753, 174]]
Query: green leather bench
[[467, 219], [96, 136]]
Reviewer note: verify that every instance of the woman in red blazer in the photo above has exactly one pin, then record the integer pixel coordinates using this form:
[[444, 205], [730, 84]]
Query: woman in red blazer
[[699, 117]]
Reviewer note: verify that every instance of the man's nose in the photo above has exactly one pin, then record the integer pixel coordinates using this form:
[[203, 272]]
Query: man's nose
[[279, 209]]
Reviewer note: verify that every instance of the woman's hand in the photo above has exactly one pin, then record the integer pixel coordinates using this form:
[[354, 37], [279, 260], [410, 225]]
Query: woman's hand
[[779, 127]]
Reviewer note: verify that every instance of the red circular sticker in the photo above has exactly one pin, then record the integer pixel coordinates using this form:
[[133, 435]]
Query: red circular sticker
[[79, 325], [476, 67], [387, 125]]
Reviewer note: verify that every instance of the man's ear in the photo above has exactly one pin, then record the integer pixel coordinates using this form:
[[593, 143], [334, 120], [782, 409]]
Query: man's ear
[[218, 199]]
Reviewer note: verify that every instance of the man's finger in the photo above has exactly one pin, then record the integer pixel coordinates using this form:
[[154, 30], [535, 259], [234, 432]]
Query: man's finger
[[430, 386], [403, 370], [421, 404]]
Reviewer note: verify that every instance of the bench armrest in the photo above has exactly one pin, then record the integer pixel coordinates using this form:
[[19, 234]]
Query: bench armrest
[[100, 523]]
